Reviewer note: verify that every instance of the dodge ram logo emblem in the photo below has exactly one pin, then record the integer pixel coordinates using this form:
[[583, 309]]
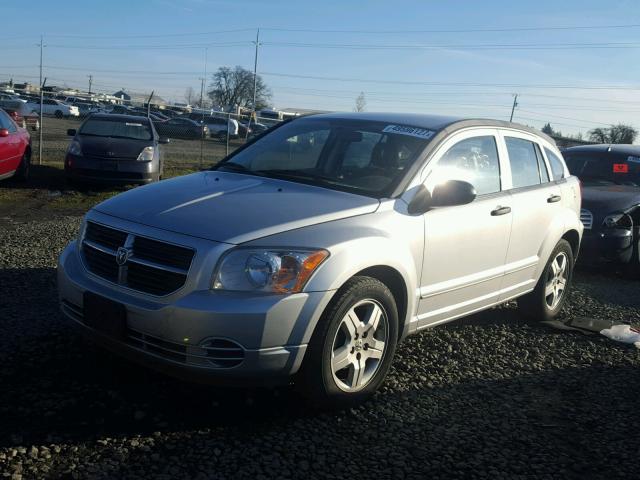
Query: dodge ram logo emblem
[[122, 255]]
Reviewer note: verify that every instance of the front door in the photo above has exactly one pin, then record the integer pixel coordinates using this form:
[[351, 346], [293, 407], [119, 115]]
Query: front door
[[465, 246]]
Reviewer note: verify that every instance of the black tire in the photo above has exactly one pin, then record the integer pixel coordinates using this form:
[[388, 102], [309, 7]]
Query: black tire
[[316, 380], [59, 114], [536, 304], [632, 269], [22, 174]]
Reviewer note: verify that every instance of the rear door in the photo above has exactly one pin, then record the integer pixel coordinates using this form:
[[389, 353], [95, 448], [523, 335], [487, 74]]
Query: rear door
[[10, 153], [536, 208], [466, 245]]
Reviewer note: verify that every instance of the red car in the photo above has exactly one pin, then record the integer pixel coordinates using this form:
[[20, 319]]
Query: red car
[[15, 149]]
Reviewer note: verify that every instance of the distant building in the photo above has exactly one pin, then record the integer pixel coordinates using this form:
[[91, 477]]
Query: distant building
[[130, 98]]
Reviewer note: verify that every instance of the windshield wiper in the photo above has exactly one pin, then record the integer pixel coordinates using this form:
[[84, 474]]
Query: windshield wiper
[[296, 174], [234, 167]]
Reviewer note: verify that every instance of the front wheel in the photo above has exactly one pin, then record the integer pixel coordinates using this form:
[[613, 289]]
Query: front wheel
[[352, 348], [59, 114], [22, 174], [549, 296]]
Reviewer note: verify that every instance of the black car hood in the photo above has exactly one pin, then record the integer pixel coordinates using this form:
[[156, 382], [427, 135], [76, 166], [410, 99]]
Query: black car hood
[[112, 147], [606, 199]]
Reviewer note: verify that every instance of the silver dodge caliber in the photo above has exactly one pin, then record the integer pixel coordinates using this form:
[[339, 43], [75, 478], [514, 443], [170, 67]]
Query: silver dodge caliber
[[309, 253]]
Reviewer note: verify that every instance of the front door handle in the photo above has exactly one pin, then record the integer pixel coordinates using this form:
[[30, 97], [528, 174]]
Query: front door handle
[[554, 199], [500, 211]]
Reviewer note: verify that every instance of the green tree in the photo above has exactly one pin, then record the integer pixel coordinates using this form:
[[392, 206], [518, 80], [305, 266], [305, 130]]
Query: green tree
[[547, 129], [234, 88]]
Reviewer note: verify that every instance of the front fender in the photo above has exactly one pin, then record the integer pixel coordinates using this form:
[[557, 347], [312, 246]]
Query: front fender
[[385, 238]]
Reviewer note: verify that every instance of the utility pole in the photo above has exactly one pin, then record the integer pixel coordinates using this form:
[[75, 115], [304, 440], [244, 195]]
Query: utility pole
[[255, 70], [90, 83], [513, 108], [41, 102], [201, 92]]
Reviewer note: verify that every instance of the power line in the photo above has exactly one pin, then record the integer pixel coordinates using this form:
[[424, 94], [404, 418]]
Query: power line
[[459, 30], [488, 46], [461, 84], [193, 34]]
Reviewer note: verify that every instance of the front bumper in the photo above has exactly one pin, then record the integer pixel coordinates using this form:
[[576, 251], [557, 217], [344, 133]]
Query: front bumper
[[613, 245], [110, 171], [272, 331]]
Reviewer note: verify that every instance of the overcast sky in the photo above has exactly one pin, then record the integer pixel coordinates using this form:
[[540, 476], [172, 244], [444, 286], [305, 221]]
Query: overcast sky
[[462, 58]]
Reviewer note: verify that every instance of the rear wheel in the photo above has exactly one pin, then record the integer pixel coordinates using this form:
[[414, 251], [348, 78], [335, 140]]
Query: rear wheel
[[352, 348], [22, 174], [59, 114], [548, 298]]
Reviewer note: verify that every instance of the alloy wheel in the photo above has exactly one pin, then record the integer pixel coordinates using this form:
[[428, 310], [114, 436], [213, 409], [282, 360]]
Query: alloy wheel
[[556, 283], [358, 347]]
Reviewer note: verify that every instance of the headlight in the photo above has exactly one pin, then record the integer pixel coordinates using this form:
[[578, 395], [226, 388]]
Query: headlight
[[267, 270], [618, 220], [146, 155], [75, 148]]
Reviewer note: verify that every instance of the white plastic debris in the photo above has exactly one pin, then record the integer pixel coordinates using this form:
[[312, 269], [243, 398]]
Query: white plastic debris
[[623, 333]]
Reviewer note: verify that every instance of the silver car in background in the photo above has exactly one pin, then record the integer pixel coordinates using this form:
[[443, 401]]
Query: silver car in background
[[307, 255]]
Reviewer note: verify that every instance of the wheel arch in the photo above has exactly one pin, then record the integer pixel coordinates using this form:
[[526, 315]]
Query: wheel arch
[[573, 237], [394, 281]]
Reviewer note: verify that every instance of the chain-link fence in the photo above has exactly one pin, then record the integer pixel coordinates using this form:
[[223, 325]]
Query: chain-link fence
[[198, 138]]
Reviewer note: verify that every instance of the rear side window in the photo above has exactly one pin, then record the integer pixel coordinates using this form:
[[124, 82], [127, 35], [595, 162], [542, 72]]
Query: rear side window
[[525, 170], [557, 169], [473, 160]]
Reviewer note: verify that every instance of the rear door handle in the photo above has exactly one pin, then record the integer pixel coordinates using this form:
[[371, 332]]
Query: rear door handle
[[500, 211], [554, 199]]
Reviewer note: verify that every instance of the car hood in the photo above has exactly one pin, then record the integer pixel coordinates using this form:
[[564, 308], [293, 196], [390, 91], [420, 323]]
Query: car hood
[[233, 208], [609, 198], [112, 147]]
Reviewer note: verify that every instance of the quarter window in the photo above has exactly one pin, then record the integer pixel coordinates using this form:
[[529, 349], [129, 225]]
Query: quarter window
[[473, 160], [544, 174], [557, 169], [525, 170]]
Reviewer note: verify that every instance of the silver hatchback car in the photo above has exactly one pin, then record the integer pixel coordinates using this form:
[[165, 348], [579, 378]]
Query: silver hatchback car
[[308, 254]]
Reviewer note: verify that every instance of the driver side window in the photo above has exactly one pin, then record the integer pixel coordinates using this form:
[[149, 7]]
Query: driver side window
[[473, 160]]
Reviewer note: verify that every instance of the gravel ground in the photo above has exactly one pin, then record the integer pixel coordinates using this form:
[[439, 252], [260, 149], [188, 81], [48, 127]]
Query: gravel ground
[[493, 396]]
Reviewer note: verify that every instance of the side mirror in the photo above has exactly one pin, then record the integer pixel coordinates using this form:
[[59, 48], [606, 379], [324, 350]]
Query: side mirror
[[164, 140], [4, 132], [71, 132], [448, 194], [453, 192]]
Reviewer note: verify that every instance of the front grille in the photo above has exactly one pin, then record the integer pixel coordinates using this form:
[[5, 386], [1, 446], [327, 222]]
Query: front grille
[[88, 172], [152, 266], [586, 217]]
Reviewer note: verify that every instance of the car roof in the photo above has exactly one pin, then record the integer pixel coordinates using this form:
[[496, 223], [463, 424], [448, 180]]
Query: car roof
[[623, 149], [115, 116], [436, 123]]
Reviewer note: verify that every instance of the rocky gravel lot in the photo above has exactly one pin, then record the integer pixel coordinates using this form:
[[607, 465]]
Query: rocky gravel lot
[[493, 396]]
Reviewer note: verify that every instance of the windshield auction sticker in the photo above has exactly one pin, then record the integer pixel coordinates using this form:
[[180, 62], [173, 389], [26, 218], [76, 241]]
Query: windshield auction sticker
[[411, 131], [620, 168]]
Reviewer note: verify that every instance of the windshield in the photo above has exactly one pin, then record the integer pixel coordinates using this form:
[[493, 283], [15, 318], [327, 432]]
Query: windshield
[[100, 127], [365, 157], [604, 168]]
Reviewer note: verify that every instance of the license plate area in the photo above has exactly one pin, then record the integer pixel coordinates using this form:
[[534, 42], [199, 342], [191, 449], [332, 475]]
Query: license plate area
[[105, 315]]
